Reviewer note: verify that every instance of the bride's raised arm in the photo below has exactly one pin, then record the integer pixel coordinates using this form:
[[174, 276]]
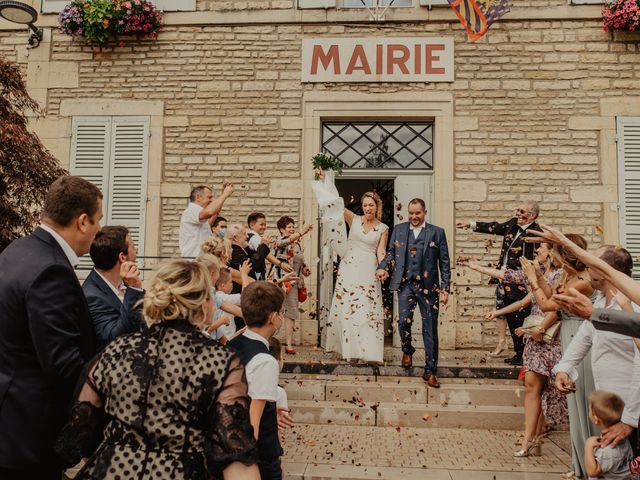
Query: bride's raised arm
[[348, 216], [381, 252]]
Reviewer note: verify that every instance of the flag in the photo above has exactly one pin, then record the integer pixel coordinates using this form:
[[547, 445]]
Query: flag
[[477, 16]]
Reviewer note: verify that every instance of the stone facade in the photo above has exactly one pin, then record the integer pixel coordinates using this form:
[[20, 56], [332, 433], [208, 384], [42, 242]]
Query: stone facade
[[529, 112]]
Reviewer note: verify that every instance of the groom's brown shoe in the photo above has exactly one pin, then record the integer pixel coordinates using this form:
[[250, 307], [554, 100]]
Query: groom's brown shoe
[[407, 361], [431, 380]]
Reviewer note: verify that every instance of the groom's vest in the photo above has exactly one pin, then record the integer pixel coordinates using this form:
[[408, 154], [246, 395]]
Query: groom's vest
[[413, 261]]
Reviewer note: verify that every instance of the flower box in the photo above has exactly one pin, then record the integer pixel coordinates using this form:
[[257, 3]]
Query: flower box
[[621, 15], [99, 21]]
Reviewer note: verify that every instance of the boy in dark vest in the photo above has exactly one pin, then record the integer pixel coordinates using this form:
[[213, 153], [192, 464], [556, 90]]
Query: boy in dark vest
[[261, 304]]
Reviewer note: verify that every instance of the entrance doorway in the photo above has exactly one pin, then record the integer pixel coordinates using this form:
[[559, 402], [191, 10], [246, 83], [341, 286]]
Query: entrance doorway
[[396, 189], [351, 190]]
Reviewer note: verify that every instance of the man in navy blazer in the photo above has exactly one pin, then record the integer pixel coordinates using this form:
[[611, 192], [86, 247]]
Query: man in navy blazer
[[418, 259], [46, 334], [113, 288]]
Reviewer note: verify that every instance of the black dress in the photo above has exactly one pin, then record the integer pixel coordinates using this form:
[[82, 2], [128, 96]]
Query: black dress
[[175, 405]]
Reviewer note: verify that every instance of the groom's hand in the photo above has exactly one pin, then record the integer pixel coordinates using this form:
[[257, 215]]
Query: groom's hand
[[382, 274], [444, 297]]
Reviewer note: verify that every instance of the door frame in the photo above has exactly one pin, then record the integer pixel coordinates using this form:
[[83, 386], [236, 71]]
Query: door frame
[[320, 106]]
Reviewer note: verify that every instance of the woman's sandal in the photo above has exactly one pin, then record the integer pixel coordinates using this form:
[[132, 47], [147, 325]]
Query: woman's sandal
[[529, 449]]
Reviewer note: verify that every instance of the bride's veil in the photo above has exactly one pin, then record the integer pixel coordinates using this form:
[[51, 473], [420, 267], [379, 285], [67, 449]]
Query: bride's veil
[[331, 212]]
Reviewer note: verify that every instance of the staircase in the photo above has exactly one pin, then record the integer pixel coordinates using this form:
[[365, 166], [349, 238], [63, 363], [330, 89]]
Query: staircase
[[363, 422], [404, 401]]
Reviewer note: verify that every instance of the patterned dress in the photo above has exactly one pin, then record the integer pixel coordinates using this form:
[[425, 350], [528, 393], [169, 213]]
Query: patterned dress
[[176, 407], [541, 357]]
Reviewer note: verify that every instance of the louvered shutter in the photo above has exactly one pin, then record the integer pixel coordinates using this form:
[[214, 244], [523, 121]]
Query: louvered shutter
[[128, 177], [628, 136], [90, 153]]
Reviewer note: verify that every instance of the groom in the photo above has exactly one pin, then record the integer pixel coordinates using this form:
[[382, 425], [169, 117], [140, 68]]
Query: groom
[[418, 257]]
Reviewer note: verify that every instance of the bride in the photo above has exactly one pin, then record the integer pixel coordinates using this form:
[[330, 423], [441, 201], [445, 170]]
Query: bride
[[355, 327]]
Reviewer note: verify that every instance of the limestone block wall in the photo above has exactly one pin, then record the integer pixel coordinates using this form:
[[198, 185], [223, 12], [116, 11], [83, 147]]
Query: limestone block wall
[[233, 104]]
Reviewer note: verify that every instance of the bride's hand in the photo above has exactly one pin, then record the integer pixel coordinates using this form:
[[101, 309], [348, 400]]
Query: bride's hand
[[320, 173], [382, 274]]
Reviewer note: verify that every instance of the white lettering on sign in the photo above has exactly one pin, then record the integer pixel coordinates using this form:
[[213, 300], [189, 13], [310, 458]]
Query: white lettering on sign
[[428, 59]]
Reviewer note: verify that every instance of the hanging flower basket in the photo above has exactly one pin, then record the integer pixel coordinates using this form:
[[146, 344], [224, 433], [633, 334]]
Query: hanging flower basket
[[621, 15], [99, 21]]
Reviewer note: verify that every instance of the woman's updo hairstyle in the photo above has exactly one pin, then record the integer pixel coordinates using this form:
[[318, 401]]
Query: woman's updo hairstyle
[[218, 247], [378, 201], [570, 259], [178, 291]]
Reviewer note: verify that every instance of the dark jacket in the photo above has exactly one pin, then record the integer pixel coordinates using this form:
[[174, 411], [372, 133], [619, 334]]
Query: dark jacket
[[618, 321], [435, 258], [239, 255], [46, 336], [513, 249], [111, 317]]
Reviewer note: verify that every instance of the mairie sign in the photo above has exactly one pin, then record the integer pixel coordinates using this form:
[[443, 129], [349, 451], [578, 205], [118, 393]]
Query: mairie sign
[[421, 59]]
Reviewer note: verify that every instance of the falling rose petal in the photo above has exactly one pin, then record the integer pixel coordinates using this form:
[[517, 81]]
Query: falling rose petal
[[599, 230], [426, 417]]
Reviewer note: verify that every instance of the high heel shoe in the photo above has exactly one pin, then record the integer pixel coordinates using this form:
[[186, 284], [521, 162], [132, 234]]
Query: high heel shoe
[[529, 449], [501, 347]]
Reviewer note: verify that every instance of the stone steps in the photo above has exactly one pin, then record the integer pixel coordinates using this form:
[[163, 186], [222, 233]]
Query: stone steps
[[404, 402]]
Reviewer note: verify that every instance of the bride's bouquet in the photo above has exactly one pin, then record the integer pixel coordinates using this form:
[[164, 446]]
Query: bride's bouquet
[[326, 162]]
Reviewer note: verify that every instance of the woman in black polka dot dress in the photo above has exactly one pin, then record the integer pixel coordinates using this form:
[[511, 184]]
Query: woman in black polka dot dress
[[165, 403]]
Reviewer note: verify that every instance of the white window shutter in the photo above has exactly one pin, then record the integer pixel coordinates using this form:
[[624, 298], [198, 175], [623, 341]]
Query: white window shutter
[[53, 6], [90, 158], [176, 5], [128, 176], [628, 134]]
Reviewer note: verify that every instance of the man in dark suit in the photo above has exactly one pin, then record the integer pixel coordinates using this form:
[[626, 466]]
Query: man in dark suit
[[513, 232], [418, 258], [46, 334], [113, 288]]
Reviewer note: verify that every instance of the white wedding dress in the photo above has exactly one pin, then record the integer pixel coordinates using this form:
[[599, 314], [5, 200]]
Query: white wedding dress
[[355, 326]]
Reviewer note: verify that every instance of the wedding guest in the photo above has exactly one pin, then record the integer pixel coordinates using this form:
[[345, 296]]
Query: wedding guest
[[513, 232], [576, 276], [289, 252], [257, 223], [285, 420], [262, 308], [222, 248], [196, 220], [46, 332], [606, 462], [544, 406], [227, 328], [183, 412], [578, 304], [114, 286], [219, 227], [612, 354], [240, 252]]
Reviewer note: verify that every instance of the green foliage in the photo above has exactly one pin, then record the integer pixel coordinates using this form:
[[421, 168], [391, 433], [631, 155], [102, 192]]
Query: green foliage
[[324, 161]]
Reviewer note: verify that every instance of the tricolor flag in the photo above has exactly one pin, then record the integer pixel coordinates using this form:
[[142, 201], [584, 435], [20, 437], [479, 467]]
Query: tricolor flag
[[477, 16]]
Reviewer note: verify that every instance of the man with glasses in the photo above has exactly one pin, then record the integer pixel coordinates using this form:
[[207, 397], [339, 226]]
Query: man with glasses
[[513, 247]]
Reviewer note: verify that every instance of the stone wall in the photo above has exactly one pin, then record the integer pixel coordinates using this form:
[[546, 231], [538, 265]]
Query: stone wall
[[230, 94]]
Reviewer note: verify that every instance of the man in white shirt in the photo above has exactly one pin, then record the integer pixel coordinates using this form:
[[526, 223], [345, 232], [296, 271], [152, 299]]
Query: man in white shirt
[[197, 218], [615, 358]]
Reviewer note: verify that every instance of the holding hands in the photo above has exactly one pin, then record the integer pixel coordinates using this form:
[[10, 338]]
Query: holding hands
[[382, 275]]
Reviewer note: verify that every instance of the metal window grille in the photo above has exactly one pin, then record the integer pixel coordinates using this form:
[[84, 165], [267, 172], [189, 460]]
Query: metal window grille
[[362, 145]]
